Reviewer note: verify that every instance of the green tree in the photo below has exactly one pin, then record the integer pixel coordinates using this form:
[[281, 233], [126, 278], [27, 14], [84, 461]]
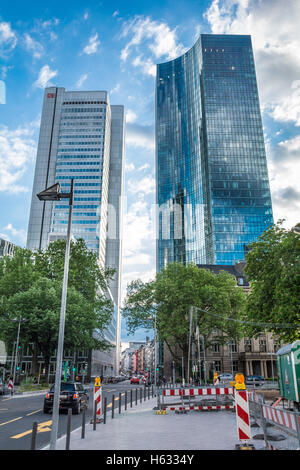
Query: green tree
[[169, 297], [30, 288], [273, 269], [39, 309]]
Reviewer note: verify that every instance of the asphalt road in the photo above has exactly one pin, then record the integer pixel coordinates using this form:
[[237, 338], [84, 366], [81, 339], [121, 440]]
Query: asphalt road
[[18, 413]]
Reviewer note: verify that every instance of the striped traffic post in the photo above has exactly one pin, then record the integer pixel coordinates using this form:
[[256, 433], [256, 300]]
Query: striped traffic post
[[97, 401], [242, 414]]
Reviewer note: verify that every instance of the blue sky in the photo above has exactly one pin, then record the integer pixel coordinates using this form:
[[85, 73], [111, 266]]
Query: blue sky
[[114, 46]]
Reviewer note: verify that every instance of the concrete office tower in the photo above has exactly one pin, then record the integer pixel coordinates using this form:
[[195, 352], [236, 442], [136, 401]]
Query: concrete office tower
[[211, 171], [82, 137]]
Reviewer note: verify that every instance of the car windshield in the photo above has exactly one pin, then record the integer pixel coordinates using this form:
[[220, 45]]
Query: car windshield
[[64, 387]]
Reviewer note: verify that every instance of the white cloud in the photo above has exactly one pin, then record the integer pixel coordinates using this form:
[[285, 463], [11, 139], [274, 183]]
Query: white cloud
[[140, 136], [146, 166], [158, 37], [138, 245], [17, 149], [147, 65], [115, 89], [276, 49], [85, 16], [33, 46], [93, 45], [81, 80], [19, 235], [145, 185], [116, 13], [129, 167], [8, 39], [130, 116], [45, 76]]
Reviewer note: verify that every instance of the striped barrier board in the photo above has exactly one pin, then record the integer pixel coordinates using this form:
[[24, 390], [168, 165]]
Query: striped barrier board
[[281, 417], [98, 398], [242, 415], [191, 392], [189, 408]]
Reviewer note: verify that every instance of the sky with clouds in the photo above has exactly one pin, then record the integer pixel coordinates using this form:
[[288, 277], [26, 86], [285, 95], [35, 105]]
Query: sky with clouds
[[114, 46]]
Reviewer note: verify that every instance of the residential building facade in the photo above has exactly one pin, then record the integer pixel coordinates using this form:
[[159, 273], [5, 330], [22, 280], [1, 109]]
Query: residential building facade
[[82, 138]]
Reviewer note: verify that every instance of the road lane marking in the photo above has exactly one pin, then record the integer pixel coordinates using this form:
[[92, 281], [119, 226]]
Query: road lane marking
[[11, 421], [33, 412], [42, 427]]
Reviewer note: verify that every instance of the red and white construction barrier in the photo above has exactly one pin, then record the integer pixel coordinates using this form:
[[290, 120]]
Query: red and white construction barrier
[[196, 407], [242, 415], [284, 418], [98, 399], [192, 392]]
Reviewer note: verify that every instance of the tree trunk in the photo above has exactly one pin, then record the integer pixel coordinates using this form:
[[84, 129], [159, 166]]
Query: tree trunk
[[35, 362]]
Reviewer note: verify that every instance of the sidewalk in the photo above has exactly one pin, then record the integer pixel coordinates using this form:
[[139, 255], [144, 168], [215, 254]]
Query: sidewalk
[[139, 428]]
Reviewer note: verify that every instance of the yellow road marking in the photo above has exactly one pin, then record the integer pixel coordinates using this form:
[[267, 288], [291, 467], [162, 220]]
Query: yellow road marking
[[29, 414], [11, 421], [42, 427]]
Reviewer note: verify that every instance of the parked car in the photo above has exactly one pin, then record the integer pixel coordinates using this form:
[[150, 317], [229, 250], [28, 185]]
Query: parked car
[[2, 387], [72, 395], [250, 379], [225, 377], [135, 380]]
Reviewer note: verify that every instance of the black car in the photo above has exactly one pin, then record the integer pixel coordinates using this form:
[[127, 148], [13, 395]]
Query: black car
[[72, 395]]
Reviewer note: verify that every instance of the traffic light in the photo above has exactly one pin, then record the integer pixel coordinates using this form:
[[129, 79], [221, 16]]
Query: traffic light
[[18, 367], [157, 369]]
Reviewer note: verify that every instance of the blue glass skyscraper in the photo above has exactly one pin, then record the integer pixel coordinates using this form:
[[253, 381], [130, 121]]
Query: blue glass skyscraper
[[211, 172]]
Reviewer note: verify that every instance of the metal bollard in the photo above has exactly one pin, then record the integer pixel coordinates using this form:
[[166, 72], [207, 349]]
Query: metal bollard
[[104, 410], [145, 391], [126, 400], [83, 423], [136, 396], [113, 407], [152, 390], [120, 402], [148, 393], [95, 415], [141, 395], [130, 398], [68, 435], [33, 436]]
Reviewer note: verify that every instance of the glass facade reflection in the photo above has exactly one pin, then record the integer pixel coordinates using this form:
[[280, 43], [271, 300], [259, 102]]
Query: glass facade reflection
[[212, 180]]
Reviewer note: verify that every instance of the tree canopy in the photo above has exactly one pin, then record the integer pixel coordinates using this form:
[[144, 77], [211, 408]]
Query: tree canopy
[[167, 300], [30, 290], [273, 269]]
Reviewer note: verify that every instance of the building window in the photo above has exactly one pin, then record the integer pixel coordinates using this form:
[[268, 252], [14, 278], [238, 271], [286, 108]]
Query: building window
[[215, 348], [262, 345], [248, 345]]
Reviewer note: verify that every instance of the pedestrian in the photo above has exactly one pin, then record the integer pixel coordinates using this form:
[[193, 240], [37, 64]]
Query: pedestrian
[[11, 386]]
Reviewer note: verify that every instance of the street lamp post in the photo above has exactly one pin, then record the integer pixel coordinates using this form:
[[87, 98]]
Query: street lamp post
[[53, 194], [16, 353]]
